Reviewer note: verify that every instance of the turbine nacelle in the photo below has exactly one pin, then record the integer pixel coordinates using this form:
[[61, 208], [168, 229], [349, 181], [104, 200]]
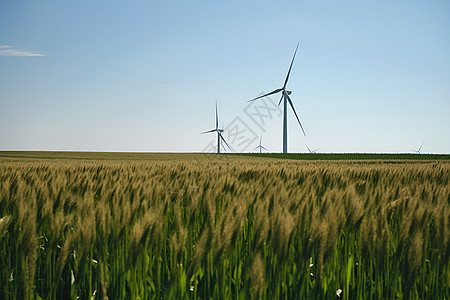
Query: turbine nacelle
[[284, 94]]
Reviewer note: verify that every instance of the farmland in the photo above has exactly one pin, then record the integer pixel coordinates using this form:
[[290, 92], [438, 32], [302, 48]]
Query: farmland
[[196, 226]]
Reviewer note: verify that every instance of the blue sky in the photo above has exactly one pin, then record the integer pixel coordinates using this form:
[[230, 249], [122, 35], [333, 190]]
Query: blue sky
[[369, 76]]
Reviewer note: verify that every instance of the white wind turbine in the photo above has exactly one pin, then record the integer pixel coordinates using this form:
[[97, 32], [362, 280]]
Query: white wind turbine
[[312, 151], [260, 146], [285, 96], [219, 132], [418, 150]]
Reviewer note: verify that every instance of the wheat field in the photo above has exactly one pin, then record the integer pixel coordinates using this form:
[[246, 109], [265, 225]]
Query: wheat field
[[205, 226]]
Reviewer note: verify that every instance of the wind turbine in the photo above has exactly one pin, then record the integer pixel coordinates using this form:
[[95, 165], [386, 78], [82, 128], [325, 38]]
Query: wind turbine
[[418, 150], [285, 96], [260, 146], [219, 132], [312, 151]]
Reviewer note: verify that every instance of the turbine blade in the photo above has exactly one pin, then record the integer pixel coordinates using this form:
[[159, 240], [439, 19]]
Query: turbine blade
[[280, 99], [290, 67], [224, 141], [255, 148], [217, 118], [316, 150], [420, 146], [292, 105], [308, 148], [265, 95], [209, 131], [264, 148]]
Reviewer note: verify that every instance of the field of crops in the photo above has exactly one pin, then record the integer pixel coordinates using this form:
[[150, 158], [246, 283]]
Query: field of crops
[[193, 226]]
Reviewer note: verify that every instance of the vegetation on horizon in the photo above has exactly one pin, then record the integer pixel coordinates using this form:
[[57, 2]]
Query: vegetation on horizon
[[192, 227], [352, 156]]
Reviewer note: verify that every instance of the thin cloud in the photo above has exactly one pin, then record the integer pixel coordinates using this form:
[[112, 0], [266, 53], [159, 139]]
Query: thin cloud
[[7, 50]]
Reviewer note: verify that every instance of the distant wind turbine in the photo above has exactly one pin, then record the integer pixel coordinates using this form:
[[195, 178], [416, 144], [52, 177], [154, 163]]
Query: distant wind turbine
[[260, 146], [311, 151], [285, 96], [219, 132], [418, 150]]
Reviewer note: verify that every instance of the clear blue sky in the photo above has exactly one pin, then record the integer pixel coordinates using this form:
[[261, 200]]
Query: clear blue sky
[[369, 76]]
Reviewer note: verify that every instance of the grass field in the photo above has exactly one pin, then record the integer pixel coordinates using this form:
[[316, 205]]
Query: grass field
[[199, 226]]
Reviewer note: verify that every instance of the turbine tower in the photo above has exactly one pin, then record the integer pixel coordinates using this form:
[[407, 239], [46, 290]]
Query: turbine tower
[[260, 146], [219, 132], [285, 98]]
